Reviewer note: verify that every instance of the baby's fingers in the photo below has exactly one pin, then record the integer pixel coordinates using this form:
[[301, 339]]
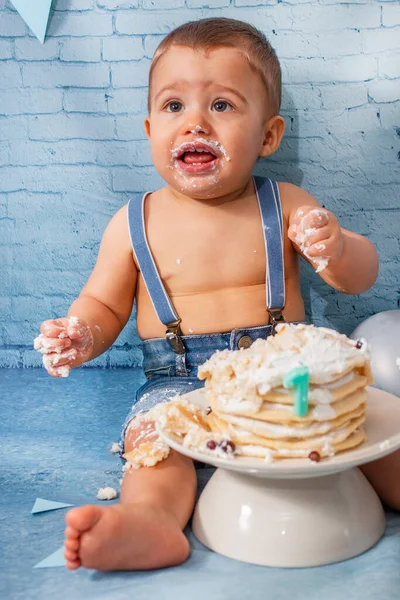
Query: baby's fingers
[[315, 218], [58, 365], [316, 236], [54, 328], [47, 345]]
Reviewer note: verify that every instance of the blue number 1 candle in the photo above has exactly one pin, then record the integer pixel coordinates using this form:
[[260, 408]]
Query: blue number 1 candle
[[299, 379]]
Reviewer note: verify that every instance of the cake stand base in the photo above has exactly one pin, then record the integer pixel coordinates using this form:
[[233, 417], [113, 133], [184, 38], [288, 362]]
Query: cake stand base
[[289, 522]]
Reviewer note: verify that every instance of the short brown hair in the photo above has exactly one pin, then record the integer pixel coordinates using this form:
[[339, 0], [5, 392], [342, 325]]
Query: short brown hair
[[209, 34]]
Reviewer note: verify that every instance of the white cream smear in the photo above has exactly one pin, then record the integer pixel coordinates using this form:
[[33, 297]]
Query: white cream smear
[[303, 235], [214, 146]]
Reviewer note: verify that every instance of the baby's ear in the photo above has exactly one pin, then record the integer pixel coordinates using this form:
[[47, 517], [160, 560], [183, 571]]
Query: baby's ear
[[147, 126], [273, 133]]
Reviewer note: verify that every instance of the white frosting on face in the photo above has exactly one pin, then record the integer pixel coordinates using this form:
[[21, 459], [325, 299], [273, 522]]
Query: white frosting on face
[[215, 147]]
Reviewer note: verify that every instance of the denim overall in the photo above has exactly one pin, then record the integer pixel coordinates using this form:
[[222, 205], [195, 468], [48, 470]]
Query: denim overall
[[170, 363]]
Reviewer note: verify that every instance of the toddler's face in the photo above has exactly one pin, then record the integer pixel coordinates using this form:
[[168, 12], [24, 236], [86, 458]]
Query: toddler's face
[[207, 120]]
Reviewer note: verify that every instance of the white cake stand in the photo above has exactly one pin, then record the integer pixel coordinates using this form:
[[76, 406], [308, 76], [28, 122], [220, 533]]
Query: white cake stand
[[295, 512]]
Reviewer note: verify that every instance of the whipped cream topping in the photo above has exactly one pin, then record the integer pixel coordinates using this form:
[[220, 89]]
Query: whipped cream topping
[[238, 378]]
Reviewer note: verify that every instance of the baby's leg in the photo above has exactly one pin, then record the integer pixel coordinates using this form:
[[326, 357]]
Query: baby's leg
[[145, 530]]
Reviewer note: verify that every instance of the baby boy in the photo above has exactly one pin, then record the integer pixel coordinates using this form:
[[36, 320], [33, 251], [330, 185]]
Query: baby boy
[[212, 260]]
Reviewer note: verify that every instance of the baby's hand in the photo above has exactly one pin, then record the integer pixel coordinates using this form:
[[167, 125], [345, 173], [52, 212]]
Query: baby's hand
[[317, 233], [65, 343]]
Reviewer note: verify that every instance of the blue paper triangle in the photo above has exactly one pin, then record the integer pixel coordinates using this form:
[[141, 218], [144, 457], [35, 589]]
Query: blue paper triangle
[[35, 14], [53, 560], [42, 505]]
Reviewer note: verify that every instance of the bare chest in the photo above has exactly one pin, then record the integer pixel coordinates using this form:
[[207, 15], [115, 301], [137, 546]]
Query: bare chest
[[203, 253]]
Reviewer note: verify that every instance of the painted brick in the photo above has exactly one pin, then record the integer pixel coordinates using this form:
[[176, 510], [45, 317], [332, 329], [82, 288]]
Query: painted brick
[[13, 128], [391, 14], [139, 23], [346, 158], [30, 101], [79, 5], [151, 43], [4, 160], [383, 91], [389, 66], [31, 358], [117, 4], [28, 49], [100, 361], [82, 24], [5, 305], [10, 359], [120, 358], [125, 154], [54, 178], [118, 48], [10, 74], [293, 44], [11, 25], [31, 308], [254, 2], [208, 3], [162, 4], [130, 128], [87, 101], [345, 69], [380, 40], [334, 16], [128, 101], [71, 126], [41, 153], [6, 49], [81, 50], [51, 75], [389, 116], [135, 180], [134, 74], [340, 95]]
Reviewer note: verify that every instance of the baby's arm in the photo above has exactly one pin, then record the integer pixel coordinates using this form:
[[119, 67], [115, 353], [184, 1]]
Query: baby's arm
[[345, 260], [97, 316]]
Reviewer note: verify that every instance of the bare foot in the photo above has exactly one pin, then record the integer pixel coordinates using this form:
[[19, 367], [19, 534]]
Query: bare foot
[[123, 537]]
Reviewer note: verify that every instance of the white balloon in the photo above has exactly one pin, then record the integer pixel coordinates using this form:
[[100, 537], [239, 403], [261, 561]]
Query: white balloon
[[382, 332]]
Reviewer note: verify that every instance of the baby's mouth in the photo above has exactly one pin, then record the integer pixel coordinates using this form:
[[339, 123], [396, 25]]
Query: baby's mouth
[[196, 157]]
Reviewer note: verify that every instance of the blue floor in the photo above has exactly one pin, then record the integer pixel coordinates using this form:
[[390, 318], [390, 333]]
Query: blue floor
[[55, 437]]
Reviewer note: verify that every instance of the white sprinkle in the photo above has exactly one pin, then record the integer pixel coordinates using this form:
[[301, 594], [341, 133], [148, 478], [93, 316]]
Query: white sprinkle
[[115, 448], [178, 261], [190, 330], [107, 493]]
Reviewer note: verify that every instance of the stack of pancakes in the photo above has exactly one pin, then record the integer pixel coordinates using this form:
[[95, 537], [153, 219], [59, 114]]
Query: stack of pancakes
[[252, 414], [251, 405]]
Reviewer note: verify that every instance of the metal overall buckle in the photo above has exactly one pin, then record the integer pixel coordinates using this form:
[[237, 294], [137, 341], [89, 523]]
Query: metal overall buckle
[[173, 335], [276, 316]]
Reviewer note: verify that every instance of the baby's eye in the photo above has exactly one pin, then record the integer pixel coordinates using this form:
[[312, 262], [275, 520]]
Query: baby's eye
[[222, 106], [174, 106]]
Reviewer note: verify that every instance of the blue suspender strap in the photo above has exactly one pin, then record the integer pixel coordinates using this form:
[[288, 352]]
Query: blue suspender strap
[[159, 297], [271, 214]]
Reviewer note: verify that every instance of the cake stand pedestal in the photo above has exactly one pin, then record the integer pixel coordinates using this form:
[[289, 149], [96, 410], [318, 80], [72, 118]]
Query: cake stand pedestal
[[293, 512]]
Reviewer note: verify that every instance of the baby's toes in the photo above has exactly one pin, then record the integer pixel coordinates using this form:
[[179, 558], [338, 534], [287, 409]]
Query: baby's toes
[[72, 545]]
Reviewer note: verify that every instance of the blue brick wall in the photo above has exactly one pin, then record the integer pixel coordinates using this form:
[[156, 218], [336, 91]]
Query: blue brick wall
[[73, 149]]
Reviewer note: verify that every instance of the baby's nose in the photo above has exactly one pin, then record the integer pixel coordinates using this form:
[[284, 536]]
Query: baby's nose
[[197, 129]]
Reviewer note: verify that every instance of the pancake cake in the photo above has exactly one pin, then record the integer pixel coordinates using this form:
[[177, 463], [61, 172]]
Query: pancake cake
[[251, 412]]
